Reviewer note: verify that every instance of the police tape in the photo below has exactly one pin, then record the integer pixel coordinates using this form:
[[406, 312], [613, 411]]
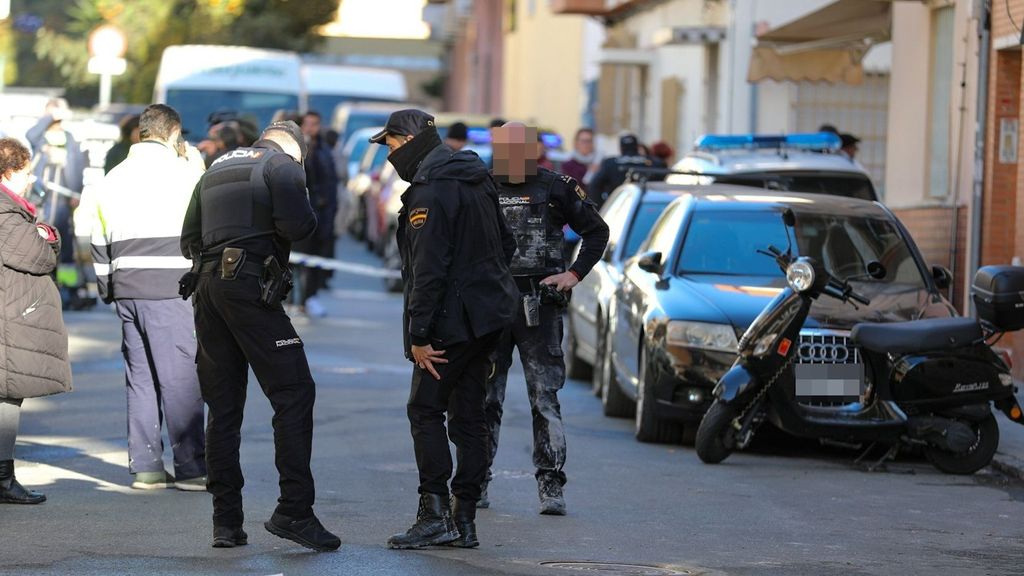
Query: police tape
[[322, 263]]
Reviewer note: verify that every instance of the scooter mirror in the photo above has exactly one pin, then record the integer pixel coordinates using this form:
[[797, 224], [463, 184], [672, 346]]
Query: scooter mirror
[[789, 218], [876, 270]]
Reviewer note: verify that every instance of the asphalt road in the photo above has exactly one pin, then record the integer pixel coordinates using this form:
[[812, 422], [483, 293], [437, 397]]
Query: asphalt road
[[780, 510]]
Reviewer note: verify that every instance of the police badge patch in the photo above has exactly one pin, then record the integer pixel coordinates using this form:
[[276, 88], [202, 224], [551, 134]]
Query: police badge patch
[[418, 217], [581, 193]]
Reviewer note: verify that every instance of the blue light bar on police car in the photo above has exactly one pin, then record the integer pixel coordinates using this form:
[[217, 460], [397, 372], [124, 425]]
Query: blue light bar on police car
[[479, 135], [807, 141], [551, 140]]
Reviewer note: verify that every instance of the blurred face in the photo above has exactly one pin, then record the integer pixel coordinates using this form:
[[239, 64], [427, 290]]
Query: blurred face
[[516, 150], [311, 126], [585, 143], [20, 181]]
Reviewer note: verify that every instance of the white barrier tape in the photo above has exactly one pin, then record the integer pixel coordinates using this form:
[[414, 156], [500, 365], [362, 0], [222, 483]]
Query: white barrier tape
[[340, 266]]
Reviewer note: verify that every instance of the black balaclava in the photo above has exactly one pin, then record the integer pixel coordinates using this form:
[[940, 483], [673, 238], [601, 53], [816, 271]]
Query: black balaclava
[[407, 159]]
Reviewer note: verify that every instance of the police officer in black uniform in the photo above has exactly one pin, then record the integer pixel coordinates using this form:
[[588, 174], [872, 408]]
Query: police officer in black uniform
[[459, 296], [612, 171], [245, 213], [537, 203]]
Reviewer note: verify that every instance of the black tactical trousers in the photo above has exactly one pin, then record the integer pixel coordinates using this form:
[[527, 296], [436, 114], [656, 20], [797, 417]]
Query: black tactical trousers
[[540, 350], [235, 331], [460, 392]]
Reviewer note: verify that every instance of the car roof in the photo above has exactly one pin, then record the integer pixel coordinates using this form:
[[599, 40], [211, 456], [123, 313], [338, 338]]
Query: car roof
[[740, 161], [728, 197]]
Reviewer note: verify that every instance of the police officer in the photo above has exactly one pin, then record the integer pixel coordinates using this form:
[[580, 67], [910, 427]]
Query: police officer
[[537, 203], [245, 212], [612, 171], [459, 296]]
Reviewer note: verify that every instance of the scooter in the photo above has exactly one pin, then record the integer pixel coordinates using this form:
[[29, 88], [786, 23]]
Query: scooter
[[924, 383]]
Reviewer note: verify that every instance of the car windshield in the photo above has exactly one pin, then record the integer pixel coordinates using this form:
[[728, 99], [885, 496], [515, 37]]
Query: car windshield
[[646, 215], [195, 107], [833, 184], [726, 242]]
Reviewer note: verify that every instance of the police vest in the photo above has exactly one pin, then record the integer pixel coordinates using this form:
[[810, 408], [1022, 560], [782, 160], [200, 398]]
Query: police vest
[[539, 241], [235, 198]]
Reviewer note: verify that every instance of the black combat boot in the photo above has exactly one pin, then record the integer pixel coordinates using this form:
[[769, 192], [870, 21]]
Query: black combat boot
[[552, 503], [228, 537], [308, 532], [11, 491], [464, 515], [433, 525]]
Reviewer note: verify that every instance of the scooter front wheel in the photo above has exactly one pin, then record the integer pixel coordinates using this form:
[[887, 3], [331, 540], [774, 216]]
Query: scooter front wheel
[[979, 455], [716, 438]]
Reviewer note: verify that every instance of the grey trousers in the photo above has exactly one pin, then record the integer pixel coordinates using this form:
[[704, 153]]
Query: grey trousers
[[159, 346], [10, 415]]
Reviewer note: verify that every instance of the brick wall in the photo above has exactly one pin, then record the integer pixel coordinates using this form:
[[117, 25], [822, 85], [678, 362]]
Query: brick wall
[[1001, 25], [930, 228]]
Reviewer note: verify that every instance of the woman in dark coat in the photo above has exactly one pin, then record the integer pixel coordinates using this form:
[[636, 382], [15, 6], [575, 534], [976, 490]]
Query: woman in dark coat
[[33, 340]]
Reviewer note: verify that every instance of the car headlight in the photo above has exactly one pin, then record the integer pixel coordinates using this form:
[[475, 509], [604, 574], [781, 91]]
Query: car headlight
[[800, 275], [720, 337]]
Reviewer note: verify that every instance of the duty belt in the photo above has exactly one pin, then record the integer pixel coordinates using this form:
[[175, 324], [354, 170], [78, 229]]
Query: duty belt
[[248, 267], [527, 284]]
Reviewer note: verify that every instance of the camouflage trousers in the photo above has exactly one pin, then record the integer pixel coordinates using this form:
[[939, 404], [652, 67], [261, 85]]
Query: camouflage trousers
[[540, 350]]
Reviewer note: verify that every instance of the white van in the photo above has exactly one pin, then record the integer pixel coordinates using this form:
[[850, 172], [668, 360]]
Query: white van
[[328, 85], [197, 80]]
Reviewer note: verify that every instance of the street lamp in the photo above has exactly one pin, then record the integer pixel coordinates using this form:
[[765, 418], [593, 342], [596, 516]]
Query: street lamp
[[107, 46]]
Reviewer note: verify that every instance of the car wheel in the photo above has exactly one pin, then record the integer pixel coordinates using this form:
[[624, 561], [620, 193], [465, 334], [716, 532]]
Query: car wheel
[[575, 367], [597, 376], [614, 401], [392, 261], [977, 457], [649, 426]]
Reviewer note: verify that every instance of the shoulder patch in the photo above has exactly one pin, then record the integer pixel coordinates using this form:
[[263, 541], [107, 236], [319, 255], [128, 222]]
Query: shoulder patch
[[418, 217], [580, 192]]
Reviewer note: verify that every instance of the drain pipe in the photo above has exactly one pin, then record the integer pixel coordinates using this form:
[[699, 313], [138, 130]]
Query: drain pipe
[[954, 242], [981, 124]]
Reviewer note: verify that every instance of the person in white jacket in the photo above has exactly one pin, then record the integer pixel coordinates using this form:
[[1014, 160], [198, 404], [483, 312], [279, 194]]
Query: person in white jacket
[[139, 208]]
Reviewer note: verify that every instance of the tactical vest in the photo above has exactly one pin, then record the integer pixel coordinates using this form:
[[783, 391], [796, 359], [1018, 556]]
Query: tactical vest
[[235, 200], [538, 241]]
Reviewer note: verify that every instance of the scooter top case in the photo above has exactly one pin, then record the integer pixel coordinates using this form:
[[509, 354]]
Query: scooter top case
[[937, 362]]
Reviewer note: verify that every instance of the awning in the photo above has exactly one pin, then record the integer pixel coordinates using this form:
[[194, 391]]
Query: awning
[[826, 45]]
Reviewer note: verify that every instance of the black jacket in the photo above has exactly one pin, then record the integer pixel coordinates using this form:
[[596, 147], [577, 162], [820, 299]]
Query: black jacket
[[455, 248], [612, 173]]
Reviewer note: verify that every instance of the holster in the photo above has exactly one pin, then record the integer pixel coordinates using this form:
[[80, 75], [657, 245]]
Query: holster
[[275, 282]]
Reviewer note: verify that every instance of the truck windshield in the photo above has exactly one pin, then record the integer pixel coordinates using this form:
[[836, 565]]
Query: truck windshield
[[195, 107]]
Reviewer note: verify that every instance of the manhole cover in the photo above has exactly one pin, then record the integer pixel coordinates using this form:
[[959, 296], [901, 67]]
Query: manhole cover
[[617, 569]]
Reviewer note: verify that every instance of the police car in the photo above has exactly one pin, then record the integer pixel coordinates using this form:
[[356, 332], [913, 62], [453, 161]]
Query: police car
[[809, 162]]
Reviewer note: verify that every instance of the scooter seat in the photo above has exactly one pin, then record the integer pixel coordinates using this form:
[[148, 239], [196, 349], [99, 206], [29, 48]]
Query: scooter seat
[[918, 335]]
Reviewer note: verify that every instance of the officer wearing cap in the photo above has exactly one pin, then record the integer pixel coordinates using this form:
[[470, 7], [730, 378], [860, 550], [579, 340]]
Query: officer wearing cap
[[459, 295], [612, 171], [245, 213], [537, 204]]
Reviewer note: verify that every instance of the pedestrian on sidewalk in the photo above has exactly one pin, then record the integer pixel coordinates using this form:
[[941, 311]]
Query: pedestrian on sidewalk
[[33, 340], [139, 207], [459, 295], [537, 204], [243, 217]]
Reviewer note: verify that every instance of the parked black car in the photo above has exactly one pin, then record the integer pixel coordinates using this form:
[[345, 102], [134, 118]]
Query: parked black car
[[698, 282], [629, 212]]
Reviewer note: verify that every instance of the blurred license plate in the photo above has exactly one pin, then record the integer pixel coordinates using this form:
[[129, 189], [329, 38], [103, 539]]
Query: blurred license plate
[[829, 382]]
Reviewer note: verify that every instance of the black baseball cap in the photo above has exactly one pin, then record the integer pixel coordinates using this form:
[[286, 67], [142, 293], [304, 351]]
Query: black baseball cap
[[292, 129], [408, 122], [628, 144]]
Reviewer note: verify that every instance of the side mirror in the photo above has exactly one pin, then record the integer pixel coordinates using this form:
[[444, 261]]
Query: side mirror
[[650, 262], [877, 270], [943, 277], [789, 218]]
